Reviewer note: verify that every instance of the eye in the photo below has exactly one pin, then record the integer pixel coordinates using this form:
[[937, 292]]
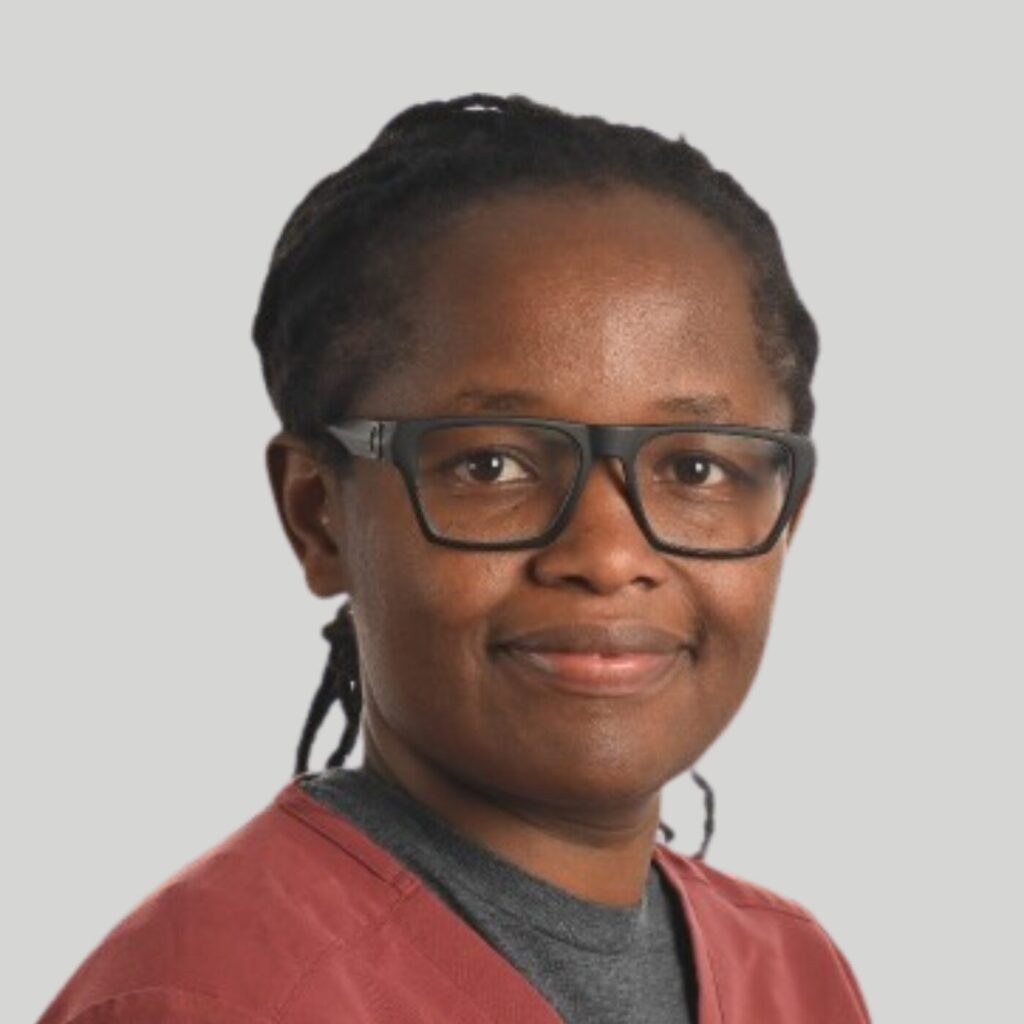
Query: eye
[[485, 465], [697, 469]]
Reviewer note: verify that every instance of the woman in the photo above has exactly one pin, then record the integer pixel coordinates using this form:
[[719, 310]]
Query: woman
[[544, 385]]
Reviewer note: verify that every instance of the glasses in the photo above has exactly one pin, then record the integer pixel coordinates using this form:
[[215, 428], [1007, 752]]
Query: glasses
[[503, 483]]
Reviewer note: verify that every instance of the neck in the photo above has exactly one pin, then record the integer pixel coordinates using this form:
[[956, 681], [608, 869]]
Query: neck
[[601, 856]]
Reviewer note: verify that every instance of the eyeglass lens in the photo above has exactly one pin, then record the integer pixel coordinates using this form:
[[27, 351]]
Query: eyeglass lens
[[499, 483]]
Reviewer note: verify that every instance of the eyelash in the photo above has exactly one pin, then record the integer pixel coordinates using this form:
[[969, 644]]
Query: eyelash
[[465, 458], [477, 453]]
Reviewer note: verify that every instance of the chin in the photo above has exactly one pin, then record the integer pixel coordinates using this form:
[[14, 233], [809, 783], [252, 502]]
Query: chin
[[588, 783]]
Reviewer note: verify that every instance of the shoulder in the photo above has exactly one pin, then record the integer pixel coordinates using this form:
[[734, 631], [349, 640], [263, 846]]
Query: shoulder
[[771, 942], [230, 935], [728, 889]]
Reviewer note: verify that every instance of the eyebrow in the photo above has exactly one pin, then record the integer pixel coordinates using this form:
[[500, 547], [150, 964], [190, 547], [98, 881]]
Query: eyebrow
[[712, 406]]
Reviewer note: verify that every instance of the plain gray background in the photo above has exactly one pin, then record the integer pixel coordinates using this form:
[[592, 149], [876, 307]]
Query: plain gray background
[[159, 645]]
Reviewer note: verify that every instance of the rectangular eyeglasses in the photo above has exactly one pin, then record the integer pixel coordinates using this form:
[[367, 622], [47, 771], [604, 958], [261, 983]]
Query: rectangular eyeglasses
[[503, 483]]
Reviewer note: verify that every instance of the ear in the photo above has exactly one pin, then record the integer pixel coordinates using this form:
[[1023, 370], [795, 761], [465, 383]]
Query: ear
[[310, 520]]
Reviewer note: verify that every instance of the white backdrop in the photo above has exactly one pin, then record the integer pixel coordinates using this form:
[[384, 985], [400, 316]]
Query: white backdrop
[[159, 645]]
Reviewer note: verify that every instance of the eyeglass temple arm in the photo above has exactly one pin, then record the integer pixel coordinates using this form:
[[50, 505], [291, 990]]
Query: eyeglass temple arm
[[361, 437]]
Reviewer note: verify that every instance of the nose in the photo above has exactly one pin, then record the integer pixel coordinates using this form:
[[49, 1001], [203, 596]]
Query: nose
[[601, 546]]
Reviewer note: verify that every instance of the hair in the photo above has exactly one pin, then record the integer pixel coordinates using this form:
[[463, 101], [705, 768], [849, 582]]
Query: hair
[[335, 308]]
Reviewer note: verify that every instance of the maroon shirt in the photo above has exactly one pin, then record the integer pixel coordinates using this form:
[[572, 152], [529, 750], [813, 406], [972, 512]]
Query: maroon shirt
[[299, 918]]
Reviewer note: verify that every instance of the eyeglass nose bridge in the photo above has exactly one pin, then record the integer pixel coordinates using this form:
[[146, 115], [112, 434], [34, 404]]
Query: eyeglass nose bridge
[[606, 441], [616, 442], [609, 440]]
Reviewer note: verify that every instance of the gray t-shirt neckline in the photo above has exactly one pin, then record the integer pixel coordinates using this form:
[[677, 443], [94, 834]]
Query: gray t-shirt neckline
[[594, 962]]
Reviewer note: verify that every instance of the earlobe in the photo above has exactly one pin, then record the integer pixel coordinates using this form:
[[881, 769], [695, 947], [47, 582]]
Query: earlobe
[[301, 496]]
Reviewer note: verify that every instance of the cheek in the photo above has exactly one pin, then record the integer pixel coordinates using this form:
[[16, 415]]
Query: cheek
[[392, 558], [422, 612], [737, 599]]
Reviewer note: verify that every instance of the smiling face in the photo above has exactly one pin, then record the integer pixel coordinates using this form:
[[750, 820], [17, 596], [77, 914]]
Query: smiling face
[[607, 307]]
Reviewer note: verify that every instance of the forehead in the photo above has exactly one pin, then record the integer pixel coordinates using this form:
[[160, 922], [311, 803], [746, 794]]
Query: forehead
[[611, 305]]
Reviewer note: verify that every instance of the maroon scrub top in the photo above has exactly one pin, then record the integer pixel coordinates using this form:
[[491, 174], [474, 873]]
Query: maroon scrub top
[[299, 918]]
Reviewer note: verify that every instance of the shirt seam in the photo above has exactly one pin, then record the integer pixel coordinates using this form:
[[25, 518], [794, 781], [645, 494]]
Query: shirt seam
[[403, 882], [99, 1004], [369, 925], [389, 920]]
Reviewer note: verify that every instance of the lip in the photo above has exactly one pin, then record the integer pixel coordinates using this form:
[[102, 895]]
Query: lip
[[615, 658], [620, 636], [590, 674]]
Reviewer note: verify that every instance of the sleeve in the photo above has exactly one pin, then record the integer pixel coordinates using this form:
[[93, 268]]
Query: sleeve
[[166, 1006]]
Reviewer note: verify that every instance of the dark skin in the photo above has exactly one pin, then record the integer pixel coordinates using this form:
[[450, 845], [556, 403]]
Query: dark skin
[[601, 303]]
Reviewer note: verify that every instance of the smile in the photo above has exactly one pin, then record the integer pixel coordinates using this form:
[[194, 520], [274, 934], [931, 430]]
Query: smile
[[593, 674]]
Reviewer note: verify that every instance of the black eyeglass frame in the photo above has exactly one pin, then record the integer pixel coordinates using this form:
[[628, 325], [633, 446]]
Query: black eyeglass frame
[[396, 441]]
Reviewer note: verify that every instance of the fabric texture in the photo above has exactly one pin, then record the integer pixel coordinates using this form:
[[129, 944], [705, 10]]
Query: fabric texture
[[298, 917], [595, 964]]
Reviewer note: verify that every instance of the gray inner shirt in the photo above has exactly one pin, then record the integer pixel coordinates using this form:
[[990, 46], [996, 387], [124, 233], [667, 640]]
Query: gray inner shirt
[[593, 962]]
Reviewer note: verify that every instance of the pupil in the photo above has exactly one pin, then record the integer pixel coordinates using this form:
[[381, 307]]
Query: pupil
[[492, 465], [690, 475]]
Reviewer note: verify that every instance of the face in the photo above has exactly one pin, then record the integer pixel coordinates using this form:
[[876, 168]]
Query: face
[[603, 305]]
